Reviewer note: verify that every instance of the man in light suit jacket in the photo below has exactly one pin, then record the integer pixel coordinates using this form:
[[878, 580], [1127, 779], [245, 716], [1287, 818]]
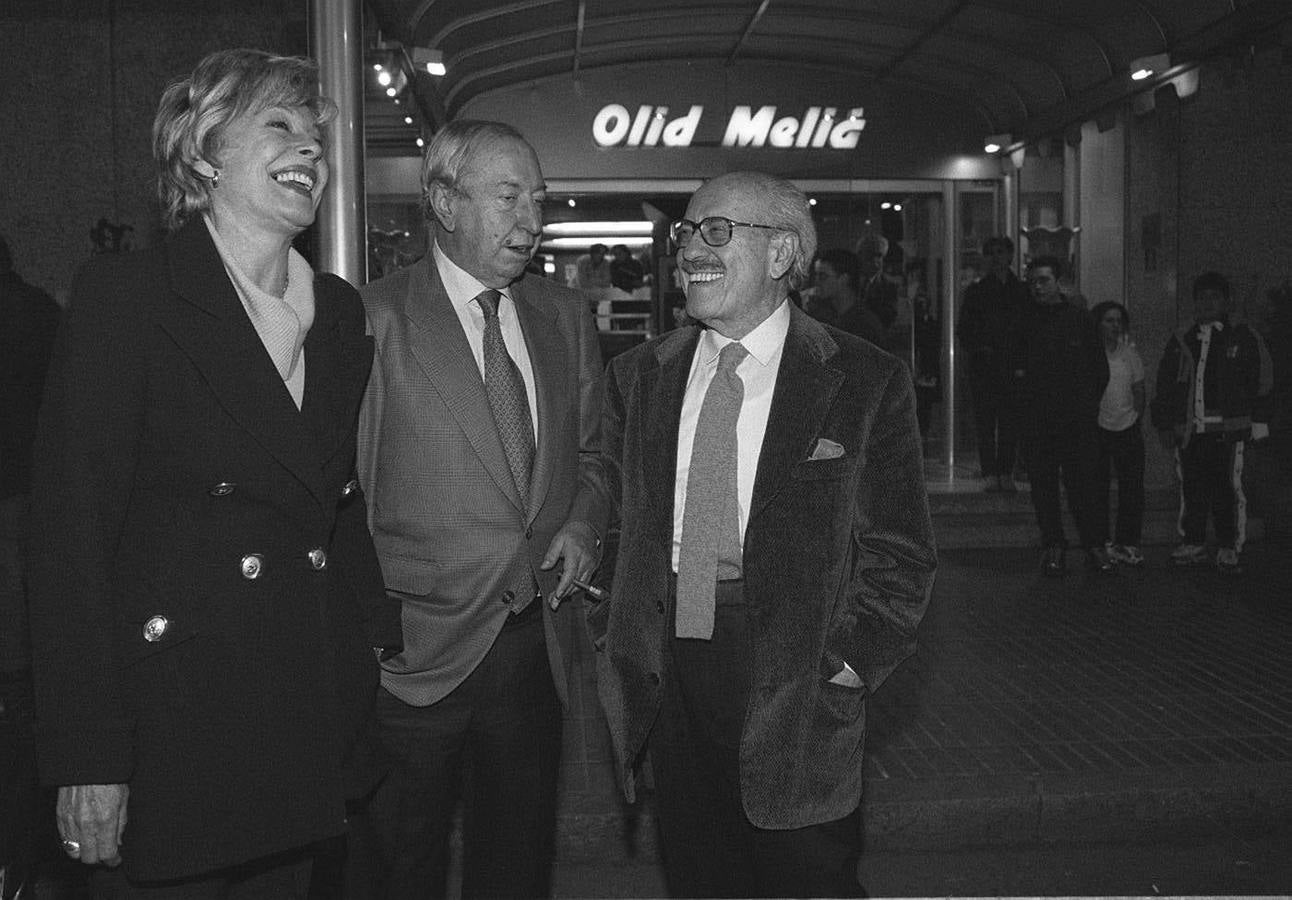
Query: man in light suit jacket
[[479, 447], [775, 557]]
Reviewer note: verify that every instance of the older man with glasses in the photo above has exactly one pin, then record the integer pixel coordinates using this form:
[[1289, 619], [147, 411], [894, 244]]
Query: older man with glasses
[[775, 557]]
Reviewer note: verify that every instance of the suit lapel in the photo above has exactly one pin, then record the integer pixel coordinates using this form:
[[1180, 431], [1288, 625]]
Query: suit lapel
[[662, 390], [805, 390], [551, 367], [441, 350], [213, 329]]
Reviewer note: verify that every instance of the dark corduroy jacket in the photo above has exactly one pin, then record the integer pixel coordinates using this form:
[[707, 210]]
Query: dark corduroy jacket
[[838, 561]]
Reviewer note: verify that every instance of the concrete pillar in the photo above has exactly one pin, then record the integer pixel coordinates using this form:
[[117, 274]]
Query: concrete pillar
[[341, 228]]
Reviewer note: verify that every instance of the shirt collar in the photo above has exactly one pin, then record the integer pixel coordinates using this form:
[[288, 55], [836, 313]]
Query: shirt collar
[[763, 343], [461, 286]]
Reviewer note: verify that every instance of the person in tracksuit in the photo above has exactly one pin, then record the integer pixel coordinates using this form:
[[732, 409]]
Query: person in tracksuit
[[1214, 393]]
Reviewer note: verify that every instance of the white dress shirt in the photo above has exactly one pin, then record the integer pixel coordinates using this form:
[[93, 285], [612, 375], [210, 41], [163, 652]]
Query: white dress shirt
[[758, 373], [463, 288]]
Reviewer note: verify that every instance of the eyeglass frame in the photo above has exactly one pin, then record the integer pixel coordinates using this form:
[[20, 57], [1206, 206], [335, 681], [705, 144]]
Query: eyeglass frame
[[698, 228]]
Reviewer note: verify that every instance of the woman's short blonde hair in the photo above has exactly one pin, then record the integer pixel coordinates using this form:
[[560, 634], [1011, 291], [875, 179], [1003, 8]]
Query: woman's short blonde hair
[[195, 109]]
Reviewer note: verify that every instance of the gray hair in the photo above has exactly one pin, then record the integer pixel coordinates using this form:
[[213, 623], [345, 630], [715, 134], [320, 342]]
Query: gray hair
[[785, 207], [451, 149], [195, 109]]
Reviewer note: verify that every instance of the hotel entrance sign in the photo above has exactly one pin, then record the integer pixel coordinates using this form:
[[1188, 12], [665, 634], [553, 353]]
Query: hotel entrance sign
[[818, 127]]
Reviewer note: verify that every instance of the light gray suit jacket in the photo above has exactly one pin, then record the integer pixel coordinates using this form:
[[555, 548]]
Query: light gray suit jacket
[[449, 526]]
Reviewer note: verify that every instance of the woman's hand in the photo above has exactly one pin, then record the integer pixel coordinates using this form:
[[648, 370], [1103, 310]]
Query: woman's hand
[[91, 819]]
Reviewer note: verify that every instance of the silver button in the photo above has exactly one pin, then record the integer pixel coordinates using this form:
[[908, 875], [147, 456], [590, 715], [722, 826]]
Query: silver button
[[154, 628], [251, 565], [223, 489], [350, 488], [318, 558]]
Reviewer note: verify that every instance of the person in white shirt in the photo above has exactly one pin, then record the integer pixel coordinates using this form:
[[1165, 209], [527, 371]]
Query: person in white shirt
[[774, 560], [1121, 438]]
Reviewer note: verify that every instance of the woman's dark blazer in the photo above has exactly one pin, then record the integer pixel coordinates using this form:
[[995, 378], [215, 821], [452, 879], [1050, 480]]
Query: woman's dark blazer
[[205, 596]]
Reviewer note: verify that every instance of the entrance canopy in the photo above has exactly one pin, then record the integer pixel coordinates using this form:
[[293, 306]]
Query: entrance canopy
[[1021, 69]]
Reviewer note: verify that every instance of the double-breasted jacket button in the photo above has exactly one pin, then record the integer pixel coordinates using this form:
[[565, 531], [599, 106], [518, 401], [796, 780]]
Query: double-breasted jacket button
[[252, 564], [508, 597], [350, 489], [318, 559], [223, 489], [154, 628]]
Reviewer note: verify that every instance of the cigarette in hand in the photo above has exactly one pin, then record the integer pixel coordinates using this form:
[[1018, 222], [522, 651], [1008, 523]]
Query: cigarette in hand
[[596, 593]]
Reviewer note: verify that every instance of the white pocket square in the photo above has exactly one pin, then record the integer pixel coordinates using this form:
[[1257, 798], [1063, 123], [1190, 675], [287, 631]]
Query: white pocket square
[[826, 449]]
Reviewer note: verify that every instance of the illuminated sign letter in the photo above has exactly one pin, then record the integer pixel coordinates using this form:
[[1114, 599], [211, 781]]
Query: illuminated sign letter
[[681, 130], [782, 132], [611, 125], [844, 136], [745, 128]]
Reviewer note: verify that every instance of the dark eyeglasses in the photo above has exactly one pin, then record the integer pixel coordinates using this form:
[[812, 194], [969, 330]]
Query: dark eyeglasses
[[714, 230]]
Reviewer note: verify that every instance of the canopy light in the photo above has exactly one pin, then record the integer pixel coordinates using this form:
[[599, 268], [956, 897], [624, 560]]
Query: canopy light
[[429, 61], [1148, 66], [997, 142]]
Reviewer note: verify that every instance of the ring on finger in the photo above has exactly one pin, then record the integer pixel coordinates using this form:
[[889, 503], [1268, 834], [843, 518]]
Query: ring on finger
[[73, 848]]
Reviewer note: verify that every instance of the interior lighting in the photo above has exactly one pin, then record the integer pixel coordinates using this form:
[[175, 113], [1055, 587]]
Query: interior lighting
[[812, 201], [897, 207], [570, 203], [585, 242], [421, 142], [408, 120], [377, 66], [885, 205], [592, 229], [390, 92], [383, 77]]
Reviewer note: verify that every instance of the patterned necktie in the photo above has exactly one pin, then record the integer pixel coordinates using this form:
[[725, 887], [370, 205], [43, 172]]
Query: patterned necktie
[[711, 520], [507, 397]]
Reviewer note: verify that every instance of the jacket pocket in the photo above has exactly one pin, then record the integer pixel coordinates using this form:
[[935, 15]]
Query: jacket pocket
[[822, 469]]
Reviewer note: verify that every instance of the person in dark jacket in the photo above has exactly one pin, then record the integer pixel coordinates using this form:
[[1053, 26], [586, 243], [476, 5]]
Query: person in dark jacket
[[28, 321], [1060, 372], [1214, 393], [837, 300], [988, 328], [206, 598]]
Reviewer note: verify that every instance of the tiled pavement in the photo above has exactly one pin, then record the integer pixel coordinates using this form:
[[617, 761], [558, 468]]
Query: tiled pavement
[[1084, 708], [1042, 708]]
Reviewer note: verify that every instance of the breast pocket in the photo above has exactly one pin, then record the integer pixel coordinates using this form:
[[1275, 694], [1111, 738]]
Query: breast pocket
[[823, 469]]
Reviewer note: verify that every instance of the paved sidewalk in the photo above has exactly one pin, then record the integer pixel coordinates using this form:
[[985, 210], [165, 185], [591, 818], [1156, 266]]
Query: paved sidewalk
[[1090, 708]]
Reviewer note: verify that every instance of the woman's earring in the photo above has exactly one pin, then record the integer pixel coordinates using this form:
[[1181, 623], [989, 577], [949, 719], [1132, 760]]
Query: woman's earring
[[215, 178]]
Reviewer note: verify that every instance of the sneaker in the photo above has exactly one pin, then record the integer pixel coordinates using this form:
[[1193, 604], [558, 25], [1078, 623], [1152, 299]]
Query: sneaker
[[1098, 560], [1125, 554], [1053, 561], [1227, 561], [1189, 555]]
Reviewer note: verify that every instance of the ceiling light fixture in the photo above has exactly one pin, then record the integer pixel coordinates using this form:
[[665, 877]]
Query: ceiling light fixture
[[429, 61], [997, 142], [1148, 66]]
